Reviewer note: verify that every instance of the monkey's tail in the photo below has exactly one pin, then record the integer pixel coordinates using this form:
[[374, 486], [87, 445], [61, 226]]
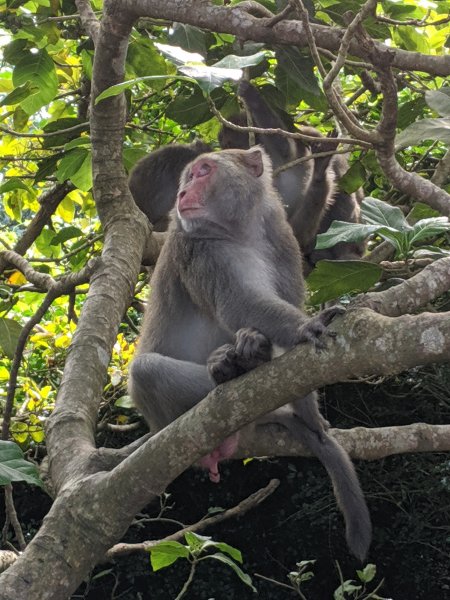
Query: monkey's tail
[[347, 489]]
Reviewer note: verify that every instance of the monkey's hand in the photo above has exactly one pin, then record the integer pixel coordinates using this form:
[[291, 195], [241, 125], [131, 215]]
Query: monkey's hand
[[313, 329], [223, 365], [252, 348]]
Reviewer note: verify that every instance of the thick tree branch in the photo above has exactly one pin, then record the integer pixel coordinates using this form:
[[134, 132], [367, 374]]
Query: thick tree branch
[[239, 22]]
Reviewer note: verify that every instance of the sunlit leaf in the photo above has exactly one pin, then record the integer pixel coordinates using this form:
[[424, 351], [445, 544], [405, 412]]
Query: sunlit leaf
[[38, 69], [166, 553]]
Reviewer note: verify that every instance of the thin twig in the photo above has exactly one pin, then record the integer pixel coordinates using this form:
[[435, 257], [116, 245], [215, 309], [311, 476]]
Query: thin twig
[[238, 510], [12, 515]]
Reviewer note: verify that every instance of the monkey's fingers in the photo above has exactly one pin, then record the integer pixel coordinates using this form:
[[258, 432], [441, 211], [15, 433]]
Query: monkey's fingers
[[222, 364], [252, 348], [312, 330]]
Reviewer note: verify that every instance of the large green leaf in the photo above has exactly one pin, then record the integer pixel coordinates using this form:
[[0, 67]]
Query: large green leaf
[[13, 466], [341, 231], [9, 335], [166, 553], [439, 100], [39, 70], [426, 129], [426, 228], [188, 37], [295, 76], [333, 279], [377, 212]]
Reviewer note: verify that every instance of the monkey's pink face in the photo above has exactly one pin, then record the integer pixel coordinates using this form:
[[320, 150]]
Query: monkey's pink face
[[193, 191]]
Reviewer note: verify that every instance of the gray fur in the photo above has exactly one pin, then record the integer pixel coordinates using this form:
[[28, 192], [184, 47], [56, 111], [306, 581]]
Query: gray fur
[[238, 266], [308, 190], [154, 179]]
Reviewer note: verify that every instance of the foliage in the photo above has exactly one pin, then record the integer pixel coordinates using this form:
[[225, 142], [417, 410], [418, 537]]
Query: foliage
[[45, 144], [165, 554], [13, 467]]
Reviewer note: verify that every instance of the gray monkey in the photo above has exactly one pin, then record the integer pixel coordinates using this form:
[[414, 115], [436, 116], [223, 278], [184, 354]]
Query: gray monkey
[[231, 262], [154, 179], [308, 189]]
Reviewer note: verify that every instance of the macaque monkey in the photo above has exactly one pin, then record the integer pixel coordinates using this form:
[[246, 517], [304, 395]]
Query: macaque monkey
[[154, 179], [308, 189], [230, 265]]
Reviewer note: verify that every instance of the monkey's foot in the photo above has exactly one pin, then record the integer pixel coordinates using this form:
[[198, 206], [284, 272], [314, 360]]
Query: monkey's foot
[[313, 329], [252, 348]]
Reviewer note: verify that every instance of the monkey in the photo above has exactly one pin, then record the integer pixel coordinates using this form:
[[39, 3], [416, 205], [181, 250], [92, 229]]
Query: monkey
[[308, 189], [153, 181], [231, 262]]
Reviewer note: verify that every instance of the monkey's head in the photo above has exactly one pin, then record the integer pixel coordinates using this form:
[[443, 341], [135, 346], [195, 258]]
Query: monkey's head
[[225, 189]]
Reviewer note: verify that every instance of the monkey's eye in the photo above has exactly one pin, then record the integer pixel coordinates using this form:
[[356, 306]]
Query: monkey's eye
[[205, 169], [190, 177]]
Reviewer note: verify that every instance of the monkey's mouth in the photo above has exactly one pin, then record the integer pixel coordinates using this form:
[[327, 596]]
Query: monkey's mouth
[[189, 207]]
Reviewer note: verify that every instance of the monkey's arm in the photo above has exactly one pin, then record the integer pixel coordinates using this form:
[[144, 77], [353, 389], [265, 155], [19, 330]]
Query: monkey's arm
[[251, 302], [280, 149]]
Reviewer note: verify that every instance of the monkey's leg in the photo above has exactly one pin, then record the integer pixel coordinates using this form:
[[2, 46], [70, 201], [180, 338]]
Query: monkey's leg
[[164, 388]]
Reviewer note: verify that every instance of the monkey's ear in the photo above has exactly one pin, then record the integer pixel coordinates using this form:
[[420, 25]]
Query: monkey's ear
[[253, 161]]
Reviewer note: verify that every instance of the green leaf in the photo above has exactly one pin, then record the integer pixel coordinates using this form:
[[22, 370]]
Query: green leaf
[[377, 212], [295, 77], [233, 552], [341, 231], [422, 211], [188, 37], [426, 129], [144, 58], [189, 108], [76, 166], [59, 125], [117, 89], [19, 93], [334, 278], [210, 78], [65, 234], [195, 541], [348, 587], [124, 402], [409, 111], [13, 467], [426, 228], [353, 179], [367, 574], [239, 572], [14, 184], [9, 336], [240, 62], [47, 166], [166, 553], [39, 69], [439, 101]]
